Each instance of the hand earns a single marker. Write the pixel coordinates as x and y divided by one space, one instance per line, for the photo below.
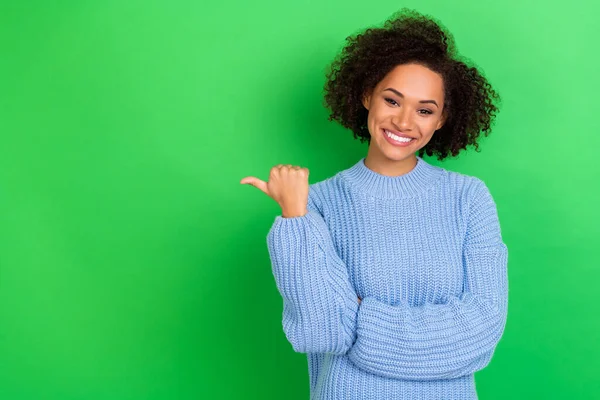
288 186
359 300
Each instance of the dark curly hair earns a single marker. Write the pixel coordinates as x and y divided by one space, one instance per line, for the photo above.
410 37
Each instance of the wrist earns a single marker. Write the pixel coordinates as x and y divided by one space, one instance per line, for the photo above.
293 214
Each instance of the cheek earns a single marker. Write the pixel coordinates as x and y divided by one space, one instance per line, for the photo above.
378 115
427 129
430 125
371 123
370 119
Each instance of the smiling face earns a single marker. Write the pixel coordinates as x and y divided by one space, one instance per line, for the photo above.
408 102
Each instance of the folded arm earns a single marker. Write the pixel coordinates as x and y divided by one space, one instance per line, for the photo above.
441 341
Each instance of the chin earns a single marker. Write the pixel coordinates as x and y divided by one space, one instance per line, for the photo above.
397 154
400 157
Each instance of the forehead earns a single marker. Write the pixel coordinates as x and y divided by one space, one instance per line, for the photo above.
414 80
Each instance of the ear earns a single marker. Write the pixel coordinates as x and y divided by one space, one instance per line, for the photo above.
366 101
442 120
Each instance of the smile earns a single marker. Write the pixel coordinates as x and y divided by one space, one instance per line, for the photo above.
397 140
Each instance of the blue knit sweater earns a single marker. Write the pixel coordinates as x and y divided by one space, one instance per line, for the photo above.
425 254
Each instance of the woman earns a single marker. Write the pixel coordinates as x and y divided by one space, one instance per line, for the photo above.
420 245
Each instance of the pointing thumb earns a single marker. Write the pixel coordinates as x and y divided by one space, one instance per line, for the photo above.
257 183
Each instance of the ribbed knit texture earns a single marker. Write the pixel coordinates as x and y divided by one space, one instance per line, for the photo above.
425 254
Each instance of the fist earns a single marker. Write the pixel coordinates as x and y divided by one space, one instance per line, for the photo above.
288 186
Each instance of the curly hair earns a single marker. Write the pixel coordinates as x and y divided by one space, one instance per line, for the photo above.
410 37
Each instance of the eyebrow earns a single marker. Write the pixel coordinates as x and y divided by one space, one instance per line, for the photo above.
421 101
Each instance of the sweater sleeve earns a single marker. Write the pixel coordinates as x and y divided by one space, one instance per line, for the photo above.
319 303
449 340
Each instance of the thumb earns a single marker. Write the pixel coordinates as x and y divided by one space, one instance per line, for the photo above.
257 183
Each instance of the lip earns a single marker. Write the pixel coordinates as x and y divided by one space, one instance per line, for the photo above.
392 142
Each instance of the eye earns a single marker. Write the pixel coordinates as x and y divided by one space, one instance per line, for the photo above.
390 100
426 111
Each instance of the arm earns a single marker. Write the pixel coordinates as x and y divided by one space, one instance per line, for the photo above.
441 341
319 303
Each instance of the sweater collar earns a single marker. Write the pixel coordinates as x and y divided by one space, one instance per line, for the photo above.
410 184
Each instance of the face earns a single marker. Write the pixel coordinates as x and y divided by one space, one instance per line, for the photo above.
409 103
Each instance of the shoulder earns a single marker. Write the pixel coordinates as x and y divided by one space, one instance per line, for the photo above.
478 210
463 180
468 187
476 200
320 192
472 195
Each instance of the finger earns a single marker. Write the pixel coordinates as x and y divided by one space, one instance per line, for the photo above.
257 183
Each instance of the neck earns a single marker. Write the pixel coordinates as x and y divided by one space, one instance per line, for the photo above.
387 167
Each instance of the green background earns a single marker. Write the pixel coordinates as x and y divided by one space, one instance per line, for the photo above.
133 264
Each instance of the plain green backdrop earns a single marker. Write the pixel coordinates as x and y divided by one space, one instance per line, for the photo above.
133 264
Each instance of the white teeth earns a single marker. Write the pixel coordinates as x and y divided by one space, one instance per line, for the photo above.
397 138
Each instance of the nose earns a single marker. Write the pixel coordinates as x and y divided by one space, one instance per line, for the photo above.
403 119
